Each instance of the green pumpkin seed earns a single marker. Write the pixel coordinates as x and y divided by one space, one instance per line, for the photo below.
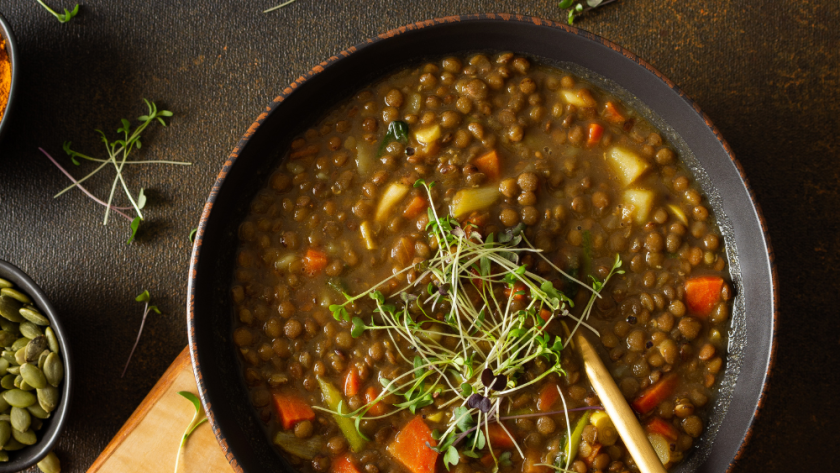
4 365
10 308
38 412
20 398
25 386
34 348
5 432
19 343
36 378
42 358
13 369
36 424
13 445
32 315
7 338
9 355
21 419
5 283
20 356
6 417
4 406
29 330
9 326
50 464
18 380
7 382
47 398
52 339
53 370
15 294
26 438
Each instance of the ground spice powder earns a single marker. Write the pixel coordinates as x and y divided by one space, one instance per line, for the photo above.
5 78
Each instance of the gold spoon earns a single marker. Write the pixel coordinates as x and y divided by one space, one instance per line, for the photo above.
625 421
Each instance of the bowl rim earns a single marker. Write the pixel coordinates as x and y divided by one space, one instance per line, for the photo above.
12 52
502 17
59 416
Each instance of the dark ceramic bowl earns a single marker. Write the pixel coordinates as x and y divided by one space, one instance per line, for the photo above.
12 51
607 65
48 435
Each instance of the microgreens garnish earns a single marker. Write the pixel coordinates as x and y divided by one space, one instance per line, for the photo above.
192 425
284 4
146 298
473 356
397 131
577 9
118 153
62 17
192 235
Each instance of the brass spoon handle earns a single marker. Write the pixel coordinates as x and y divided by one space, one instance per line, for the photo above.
625 421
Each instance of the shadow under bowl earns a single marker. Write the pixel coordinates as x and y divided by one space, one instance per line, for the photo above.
607 65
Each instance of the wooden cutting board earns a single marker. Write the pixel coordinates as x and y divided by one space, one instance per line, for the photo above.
148 442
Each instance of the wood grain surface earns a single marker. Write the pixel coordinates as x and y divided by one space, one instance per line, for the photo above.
765 71
148 442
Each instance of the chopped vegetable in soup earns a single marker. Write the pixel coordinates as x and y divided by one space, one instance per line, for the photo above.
410 277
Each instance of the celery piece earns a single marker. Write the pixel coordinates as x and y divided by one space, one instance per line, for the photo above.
332 397
574 443
306 449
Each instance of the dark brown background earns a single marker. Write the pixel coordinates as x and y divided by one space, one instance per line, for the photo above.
766 72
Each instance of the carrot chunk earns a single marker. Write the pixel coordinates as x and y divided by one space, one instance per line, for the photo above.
498 438
378 408
343 464
533 462
352 383
548 396
596 449
655 393
292 409
488 163
612 115
314 262
411 447
702 293
517 287
595 132
415 207
657 425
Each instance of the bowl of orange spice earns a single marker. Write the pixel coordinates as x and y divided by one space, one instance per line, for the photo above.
8 73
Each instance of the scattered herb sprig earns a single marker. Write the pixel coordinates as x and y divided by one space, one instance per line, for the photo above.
62 17
192 425
493 341
577 8
284 4
118 156
146 298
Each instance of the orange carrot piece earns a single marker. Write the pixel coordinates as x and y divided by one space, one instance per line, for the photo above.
595 133
532 463
702 293
488 163
545 314
517 287
352 383
548 396
415 207
292 409
612 115
378 408
343 464
411 447
596 449
314 262
658 425
655 393
498 438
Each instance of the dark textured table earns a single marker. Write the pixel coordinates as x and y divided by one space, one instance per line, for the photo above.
766 72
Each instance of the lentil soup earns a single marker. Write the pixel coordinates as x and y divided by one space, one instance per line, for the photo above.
408 279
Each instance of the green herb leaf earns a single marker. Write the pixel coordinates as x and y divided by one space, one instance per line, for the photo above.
143 297
451 457
61 17
192 235
564 4
141 198
188 395
135 225
358 327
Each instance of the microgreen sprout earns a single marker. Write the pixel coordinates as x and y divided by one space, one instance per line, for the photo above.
62 17
577 8
118 154
145 298
194 423
284 4
494 323
192 235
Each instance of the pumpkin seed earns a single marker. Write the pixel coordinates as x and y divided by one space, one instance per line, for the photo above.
36 424
19 343
6 417
9 326
25 386
18 380
9 355
7 382
50 464
7 338
20 398
5 432
4 365
5 283
51 339
21 419
15 294
34 348
26 438
53 370
31 314
13 369
13 445
36 378
20 356
47 398
38 412
4 406
42 358
9 308
29 330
